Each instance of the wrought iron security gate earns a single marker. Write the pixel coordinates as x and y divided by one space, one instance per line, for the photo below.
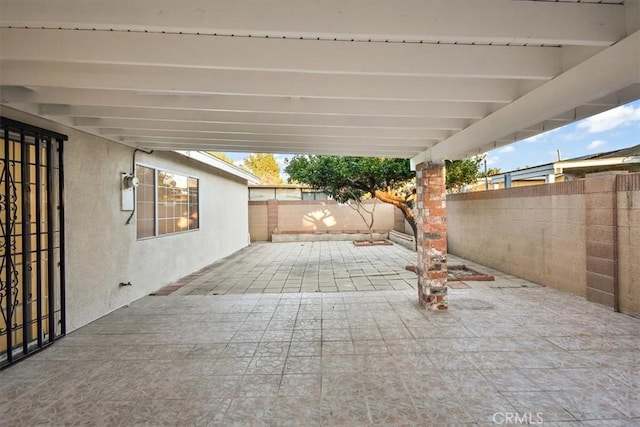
32 299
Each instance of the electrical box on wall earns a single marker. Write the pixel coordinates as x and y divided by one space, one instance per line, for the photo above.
127 183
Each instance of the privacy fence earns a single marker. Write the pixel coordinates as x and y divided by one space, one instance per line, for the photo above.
316 217
580 236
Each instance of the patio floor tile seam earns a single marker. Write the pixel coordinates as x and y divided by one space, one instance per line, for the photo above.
512 349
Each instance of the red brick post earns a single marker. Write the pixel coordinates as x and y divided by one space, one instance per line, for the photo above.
432 236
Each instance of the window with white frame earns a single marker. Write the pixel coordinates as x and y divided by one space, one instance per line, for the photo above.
166 202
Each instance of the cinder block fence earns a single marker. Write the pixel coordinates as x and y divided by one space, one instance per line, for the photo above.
581 236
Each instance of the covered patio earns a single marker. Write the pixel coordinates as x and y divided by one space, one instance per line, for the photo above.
429 81
504 349
426 81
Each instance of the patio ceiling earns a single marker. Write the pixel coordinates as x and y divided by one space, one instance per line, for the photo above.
426 80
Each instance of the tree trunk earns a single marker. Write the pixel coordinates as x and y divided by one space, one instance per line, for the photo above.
403 205
359 208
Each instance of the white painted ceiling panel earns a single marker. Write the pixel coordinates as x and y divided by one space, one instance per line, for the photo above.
409 78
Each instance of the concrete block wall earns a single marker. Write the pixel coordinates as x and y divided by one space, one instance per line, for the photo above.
628 215
581 237
312 216
602 238
258 222
537 233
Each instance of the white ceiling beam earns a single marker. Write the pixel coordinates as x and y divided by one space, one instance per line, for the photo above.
463 21
632 14
240 82
611 70
623 96
246 104
187 141
363 140
259 54
227 117
267 129
276 148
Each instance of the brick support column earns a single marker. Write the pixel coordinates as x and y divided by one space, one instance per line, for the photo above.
601 225
432 236
272 217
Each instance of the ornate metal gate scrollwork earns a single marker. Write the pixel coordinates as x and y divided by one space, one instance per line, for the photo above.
32 306
9 209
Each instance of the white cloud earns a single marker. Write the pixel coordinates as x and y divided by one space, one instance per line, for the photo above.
508 149
596 144
533 138
492 160
610 119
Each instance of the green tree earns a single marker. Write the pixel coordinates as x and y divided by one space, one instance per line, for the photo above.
388 180
462 172
265 167
490 172
222 156
355 178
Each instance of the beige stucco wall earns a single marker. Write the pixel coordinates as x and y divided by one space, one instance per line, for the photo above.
258 222
541 239
329 216
309 216
101 251
629 251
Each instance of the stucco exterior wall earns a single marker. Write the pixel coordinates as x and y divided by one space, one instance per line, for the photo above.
101 251
628 204
537 233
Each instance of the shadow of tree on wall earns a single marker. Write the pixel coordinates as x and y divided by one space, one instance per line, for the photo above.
320 219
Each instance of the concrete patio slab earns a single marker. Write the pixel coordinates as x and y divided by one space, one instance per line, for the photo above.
338 358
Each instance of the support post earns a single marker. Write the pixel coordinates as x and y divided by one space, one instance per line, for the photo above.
432 236
602 237
272 217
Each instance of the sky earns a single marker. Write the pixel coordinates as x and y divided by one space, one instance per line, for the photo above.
611 130
608 131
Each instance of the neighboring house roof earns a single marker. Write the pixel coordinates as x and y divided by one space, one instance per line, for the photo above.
217 163
623 159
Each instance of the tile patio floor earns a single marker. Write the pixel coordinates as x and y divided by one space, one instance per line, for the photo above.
336 358
306 267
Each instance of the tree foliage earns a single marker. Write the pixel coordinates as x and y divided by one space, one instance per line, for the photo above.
352 178
491 172
462 172
265 167
222 156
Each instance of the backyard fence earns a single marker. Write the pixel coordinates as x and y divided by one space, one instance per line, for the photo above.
580 236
